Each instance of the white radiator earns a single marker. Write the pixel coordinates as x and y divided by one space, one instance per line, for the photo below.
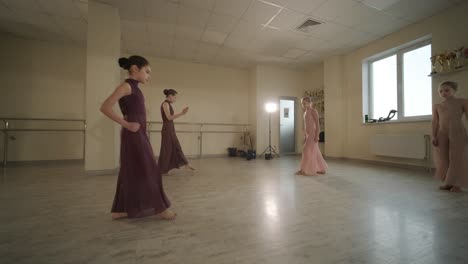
413 146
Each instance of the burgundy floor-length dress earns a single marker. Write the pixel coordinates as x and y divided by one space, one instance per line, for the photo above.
171 155
139 185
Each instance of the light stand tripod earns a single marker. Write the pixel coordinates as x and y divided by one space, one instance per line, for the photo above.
270 148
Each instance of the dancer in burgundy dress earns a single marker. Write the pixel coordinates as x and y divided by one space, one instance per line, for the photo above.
171 155
139 186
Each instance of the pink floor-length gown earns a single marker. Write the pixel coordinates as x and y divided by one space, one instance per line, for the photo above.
451 155
312 159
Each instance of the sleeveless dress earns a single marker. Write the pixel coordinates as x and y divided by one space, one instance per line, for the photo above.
171 155
451 155
139 186
312 159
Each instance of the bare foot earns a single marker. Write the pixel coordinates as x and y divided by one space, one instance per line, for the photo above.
299 172
456 189
445 187
116 216
189 167
321 172
168 215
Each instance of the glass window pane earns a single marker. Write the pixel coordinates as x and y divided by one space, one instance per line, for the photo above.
417 86
384 86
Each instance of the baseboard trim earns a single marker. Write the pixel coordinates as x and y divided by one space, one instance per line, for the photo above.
207 156
101 172
382 163
42 162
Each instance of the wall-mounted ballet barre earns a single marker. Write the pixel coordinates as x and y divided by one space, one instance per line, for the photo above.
200 131
7 129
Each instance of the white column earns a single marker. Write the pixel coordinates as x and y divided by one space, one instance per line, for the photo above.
334 75
102 77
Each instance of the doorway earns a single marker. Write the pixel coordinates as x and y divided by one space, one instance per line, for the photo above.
287 125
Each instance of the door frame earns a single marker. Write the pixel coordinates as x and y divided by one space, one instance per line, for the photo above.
294 99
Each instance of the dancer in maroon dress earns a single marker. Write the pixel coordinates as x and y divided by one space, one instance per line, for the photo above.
171 155
139 186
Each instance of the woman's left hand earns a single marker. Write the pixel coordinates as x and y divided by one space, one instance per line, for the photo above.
316 139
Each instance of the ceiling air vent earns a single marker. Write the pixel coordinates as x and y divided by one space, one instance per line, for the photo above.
308 25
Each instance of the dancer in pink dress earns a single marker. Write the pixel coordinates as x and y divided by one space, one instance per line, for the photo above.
312 161
449 139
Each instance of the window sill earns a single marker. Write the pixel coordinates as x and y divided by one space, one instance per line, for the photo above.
420 120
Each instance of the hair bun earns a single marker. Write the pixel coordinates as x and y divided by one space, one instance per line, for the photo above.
166 92
124 63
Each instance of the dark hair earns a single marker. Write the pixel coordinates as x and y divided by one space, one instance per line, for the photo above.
168 92
139 61
451 84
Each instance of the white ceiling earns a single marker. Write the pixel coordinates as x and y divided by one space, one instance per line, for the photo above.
237 33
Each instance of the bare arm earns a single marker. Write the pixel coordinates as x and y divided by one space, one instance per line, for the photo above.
167 112
317 124
435 121
435 125
106 107
465 107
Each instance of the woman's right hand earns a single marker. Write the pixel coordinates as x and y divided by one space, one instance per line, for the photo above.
133 126
435 141
185 110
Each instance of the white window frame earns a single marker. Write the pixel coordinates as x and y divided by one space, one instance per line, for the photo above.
367 80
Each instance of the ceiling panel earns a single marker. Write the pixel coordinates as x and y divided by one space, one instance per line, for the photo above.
134 31
76 28
327 30
260 12
161 41
199 4
287 19
214 37
188 33
385 25
193 17
246 28
233 8
238 42
416 10
31 5
130 10
66 8
30 31
160 11
310 43
294 53
304 6
379 4
7 14
161 29
162 52
357 15
39 20
221 23
331 9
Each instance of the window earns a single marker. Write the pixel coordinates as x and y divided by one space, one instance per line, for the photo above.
398 79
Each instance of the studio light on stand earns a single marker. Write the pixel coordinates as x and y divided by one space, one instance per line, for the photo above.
269 151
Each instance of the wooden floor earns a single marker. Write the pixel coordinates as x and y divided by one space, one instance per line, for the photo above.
235 211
